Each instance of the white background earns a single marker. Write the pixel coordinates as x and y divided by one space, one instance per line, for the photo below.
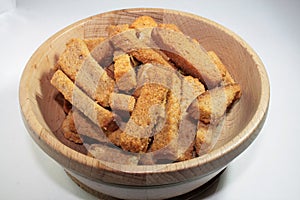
268 169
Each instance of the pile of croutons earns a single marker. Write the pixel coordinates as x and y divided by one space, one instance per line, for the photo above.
145 94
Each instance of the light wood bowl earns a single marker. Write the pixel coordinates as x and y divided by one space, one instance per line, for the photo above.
43 116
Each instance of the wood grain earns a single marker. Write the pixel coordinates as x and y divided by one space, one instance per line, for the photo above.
43 116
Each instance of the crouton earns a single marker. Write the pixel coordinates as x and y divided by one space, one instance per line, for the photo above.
122 102
165 139
115 137
91 43
85 127
186 138
191 88
80 66
143 22
226 77
212 104
169 26
69 129
148 112
188 55
207 135
116 29
128 42
124 73
72 59
81 101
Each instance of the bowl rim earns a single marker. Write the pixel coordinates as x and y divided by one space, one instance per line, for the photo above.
234 147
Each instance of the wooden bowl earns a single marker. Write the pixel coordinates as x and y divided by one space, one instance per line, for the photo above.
43 116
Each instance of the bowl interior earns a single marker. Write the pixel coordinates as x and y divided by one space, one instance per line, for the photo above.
233 52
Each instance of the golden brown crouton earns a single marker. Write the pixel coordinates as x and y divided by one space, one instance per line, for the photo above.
147 55
164 145
148 112
203 139
85 127
188 55
128 42
95 82
191 88
169 26
69 129
116 29
81 67
143 22
91 43
165 140
207 136
115 137
124 73
81 101
72 59
212 104
122 102
227 79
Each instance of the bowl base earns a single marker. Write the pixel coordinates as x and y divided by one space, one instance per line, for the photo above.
198 193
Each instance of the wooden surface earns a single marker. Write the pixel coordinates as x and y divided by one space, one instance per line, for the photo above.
43 115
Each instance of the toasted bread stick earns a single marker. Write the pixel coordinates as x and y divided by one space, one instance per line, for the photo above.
81 101
207 136
203 139
168 78
227 79
122 102
124 73
116 29
188 55
92 43
143 22
165 140
128 42
69 129
83 69
211 105
73 57
169 26
84 126
191 88
148 112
